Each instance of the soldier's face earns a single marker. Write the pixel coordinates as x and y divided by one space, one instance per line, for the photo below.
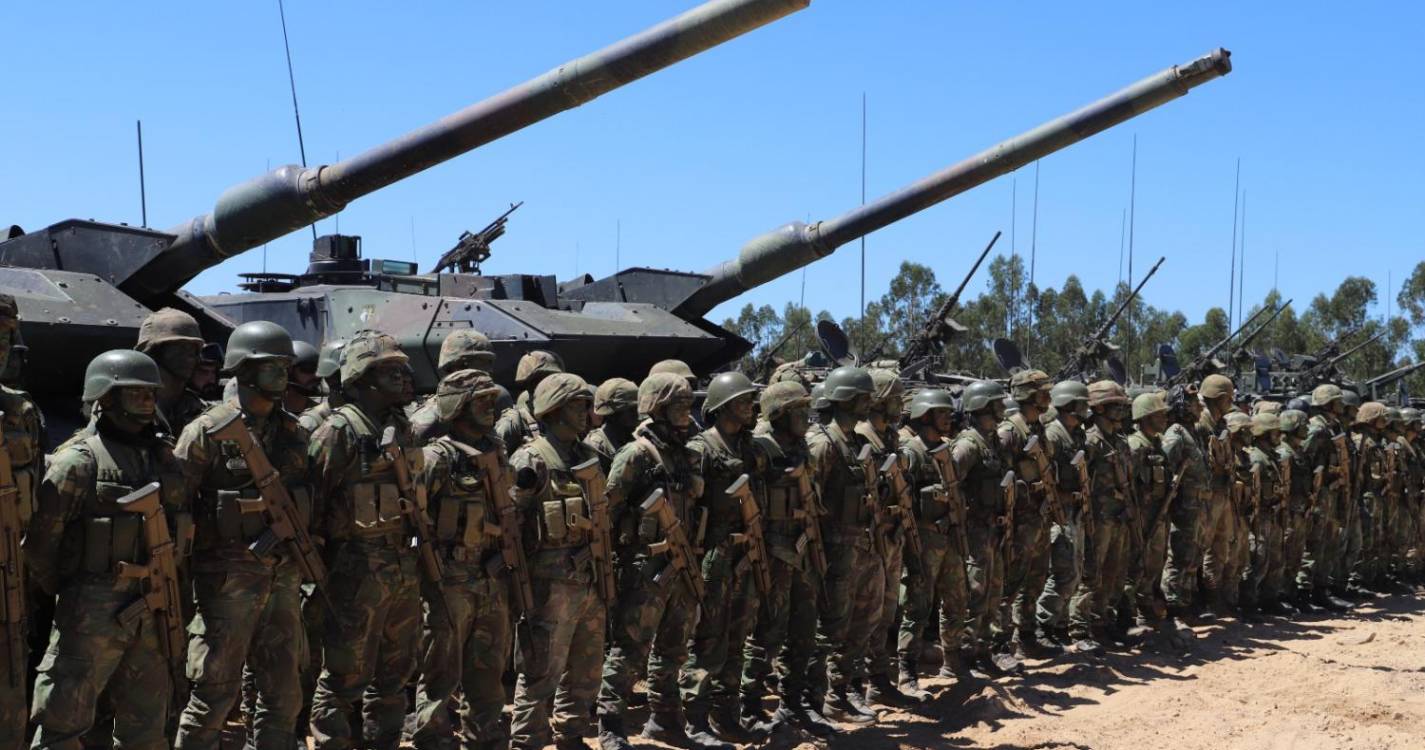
1154 424
395 381
679 413
1041 399
179 358
797 419
942 420
139 403
860 405
575 413
482 410
268 376
742 410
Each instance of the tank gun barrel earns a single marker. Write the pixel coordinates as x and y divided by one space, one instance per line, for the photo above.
795 245
291 197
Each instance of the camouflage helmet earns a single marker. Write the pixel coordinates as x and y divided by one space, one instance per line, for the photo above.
846 383
1106 393
1392 417
9 313
466 346
782 396
725 387
886 382
1067 392
673 367
1265 422
555 391
1237 420
1148 404
257 340
456 389
119 368
928 399
329 363
1325 393
368 348
1370 412
1291 420
1350 398
1025 383
165 325
1216 386
614 395
305 355
536 363
793 371
1267 407
981 394
661 389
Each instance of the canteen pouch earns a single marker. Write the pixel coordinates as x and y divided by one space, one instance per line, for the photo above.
555 525
98 545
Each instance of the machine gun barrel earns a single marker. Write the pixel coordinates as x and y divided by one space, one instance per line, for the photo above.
1078 362
1385 379
1349 352
937 323
794 245
291 197
1242 345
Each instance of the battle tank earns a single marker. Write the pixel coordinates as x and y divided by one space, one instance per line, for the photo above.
622 324
84 287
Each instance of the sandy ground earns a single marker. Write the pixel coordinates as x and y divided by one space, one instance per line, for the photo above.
1309 683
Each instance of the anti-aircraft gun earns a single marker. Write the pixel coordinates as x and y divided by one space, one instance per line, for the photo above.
1097 348
1204 364
84 286
1374 389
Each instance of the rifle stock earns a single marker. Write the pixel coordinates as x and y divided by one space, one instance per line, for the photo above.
12 570
675 546
417 514
751 537
590 476
158 578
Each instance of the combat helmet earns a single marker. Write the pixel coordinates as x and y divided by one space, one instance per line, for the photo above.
368 348
725 387
535 364
1066 392
1291 420
258 340
458 388
981 394
119 368
305 355
1215 386
846 383
329 363
1370 412
1106 393
1025 383
781 396
661 389
928 399
615 395
165 325
1265 422
468 347
1148 404
1325 393
555 391
674 367
1236 421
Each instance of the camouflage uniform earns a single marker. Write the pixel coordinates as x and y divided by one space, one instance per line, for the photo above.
1184 457
1300 516
1410 468
1066 542
881 650
606 440
22 429
1028 564
369 647
981 467
77 537
1262 581
1106 540
1151 485
517 426
939 575
473 656
1220 573
426 424
1373 506
248 609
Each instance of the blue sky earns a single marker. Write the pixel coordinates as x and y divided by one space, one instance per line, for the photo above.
1324 108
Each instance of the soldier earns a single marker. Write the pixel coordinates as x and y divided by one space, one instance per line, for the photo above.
369 645
880 431
248 607
1326 450
1153 487
205 376
463 349
1352 534
982 469
1262 583
560 655
1064 439
303 385
517 425
1369 436
464 644
851 592
1414 470
616 401
1395 527
657 599
1029 564
785 631
329 370
724 453
106 639
1301 512
939 574
1187 461
1220 573
173 340
679 368
1110 510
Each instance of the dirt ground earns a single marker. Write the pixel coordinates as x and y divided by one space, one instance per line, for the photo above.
1309 683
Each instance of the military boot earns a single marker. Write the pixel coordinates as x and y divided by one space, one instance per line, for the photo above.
575 742
909 682
881 692
612 734
954 667
999 664
1327 600
1032 644
699 731
838 707
804 715
724 721
857 696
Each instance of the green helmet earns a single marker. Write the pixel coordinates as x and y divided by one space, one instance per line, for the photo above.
1410 415
466 347
781 396
818 397
556 390
257 339
1148 404
1350 398
305 355
536 363
118 368
1025 383
928 399
1291 420
1067 392
615 395
1325 393
726 386
329 363
660 389
165 325
793 371
846 383
1265 422
981 394
365 349
1392 416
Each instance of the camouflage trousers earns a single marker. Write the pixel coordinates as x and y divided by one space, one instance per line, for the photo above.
984 574
1366 566
1143 587
1026 572
1106 548
314 623
560 656
1296 531
252 617
1263 580
1180 569
713 672
939 575
1348 557
1066 544
1220 569
849 609
880 657
1406 530
1318 554
369 650
91 651
471 656
784 638
649 631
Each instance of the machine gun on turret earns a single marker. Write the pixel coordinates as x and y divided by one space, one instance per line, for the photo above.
473 248
1204 364
941 326
1241 348
1374 388
1324 367
1096 348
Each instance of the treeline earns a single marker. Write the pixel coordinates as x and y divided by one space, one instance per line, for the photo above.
1049 323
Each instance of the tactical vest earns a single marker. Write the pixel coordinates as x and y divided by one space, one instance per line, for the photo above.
111 536
1269 481
680 489
1026 468
562 504
229 483
1371 461
931 501
375 495
1217 448
22 443
722 465
844 488
1196 484
980 486
1107 459
783 492
461 511
1154 481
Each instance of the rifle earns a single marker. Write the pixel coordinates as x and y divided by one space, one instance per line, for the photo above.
681 559
512 560
1035 450
1344 474
1094 346
809 515
940 326
1254 506
1007 488
472 249
285 524
1162 509
902 511
760 367
751 536
873 501
158 579
590 476
12 570
1081 463
413 507
950 491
